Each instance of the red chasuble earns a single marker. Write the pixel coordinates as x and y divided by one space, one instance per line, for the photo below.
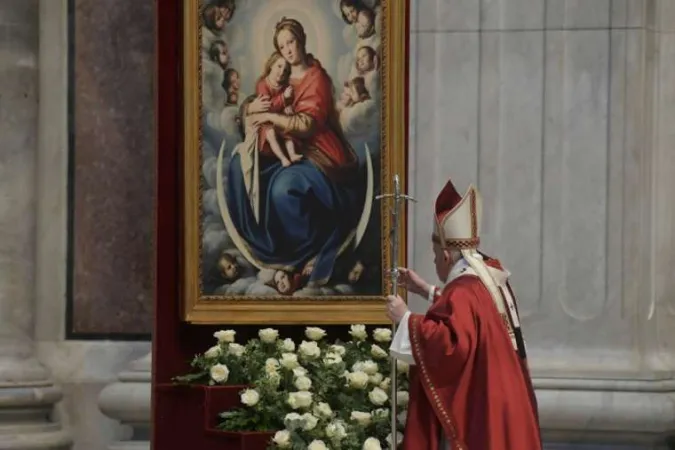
468 384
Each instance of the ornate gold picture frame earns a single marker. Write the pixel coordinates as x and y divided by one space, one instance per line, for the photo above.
295 118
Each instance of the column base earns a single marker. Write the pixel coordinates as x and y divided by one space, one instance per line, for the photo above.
27 402
630 413
128 401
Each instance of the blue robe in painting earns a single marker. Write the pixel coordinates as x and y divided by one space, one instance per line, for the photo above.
303 214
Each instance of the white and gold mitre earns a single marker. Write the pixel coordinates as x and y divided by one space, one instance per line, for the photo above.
457 218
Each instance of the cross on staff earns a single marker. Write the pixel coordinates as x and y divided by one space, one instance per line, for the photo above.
396 200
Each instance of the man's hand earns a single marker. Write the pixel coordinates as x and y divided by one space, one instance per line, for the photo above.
413 282
396 308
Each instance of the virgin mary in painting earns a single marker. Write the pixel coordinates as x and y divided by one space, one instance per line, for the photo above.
290 151
295 219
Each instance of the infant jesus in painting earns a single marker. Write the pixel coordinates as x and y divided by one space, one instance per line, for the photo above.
274 84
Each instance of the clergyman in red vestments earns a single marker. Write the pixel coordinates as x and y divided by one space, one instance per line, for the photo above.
470 387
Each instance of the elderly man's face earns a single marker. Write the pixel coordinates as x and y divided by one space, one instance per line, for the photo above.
442 261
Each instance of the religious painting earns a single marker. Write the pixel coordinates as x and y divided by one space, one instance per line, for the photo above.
295 121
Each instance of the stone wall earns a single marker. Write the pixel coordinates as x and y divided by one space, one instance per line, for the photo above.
112 181
560 110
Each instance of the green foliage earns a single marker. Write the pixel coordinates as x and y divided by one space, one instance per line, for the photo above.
315 395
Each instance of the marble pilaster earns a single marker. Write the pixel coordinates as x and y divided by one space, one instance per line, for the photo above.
29 416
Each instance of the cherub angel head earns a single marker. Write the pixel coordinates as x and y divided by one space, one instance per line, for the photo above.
365 23
366 60
219 53
231 85
349 10
228 266
354 92
285 283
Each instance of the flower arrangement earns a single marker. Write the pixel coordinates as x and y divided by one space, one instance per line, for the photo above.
316 395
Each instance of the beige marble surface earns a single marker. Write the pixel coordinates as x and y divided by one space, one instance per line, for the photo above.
18 150
553 125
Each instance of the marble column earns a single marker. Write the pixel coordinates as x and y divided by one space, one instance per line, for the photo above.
29 418
561 111
128 401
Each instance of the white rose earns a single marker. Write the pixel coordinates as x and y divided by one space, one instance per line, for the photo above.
402 366
268 335
315 333
360 417
309 421
402 417
299 371
235 349
369 367
359 332
357 380
378 352
299 400
382 334
213 353
317 445
303 383
282 439
219 373
339 349
358 367
332 359
402 398
386 384
323 410
378 397
225 336
293 421
287 345
289 360
375 379
271 365
250 397
336 431
399 439
372 444
309 349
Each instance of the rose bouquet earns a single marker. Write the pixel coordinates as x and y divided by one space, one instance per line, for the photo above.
316 394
